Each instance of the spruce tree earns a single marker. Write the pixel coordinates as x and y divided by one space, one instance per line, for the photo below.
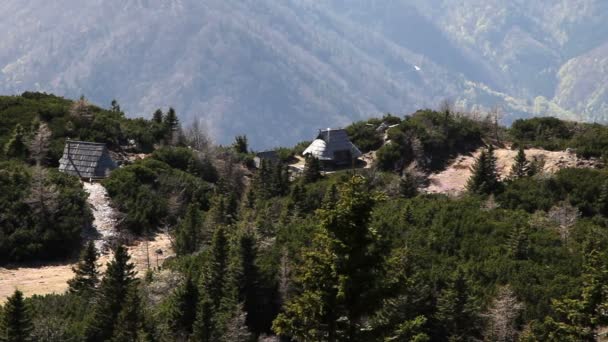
86 275
484 179
337 272
247 281
129 323
16 147
457 310
188 235
312 170
158 116
15 323
213 288
603 200
118 280
408 186
183 306
521 167
240 144
171 125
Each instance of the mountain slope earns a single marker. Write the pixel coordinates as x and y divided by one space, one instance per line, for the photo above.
280 70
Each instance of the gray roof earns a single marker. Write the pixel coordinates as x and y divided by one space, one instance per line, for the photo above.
270 155
86 159
330 141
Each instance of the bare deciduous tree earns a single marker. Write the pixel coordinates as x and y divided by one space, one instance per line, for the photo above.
43 196
502 316
565 215
197 136
39 144
81 109
495 115
236 329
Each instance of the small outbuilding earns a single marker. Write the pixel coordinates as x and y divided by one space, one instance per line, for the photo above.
86 160
270 156
333 148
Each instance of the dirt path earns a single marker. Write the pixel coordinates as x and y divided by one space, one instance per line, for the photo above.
454 178
52 278
104 216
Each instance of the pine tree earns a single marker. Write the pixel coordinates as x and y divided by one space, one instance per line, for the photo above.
213 288
240 144
518 243
246 276
337 272
408 186
579 318
171 125
484 178
86 275
188 235
115 107
457 310
16 147
158 116
183 306
15 323
312 170
129 323
603 200
279 179
118 280
521 167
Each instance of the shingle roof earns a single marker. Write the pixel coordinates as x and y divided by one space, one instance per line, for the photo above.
86 159
330 141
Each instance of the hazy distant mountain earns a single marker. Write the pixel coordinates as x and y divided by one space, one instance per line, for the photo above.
279 70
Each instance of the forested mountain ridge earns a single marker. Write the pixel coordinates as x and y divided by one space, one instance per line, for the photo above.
354 255
246 66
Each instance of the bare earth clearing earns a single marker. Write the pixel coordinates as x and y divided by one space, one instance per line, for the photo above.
454 178
52 278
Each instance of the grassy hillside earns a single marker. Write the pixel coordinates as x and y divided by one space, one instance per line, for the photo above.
357 255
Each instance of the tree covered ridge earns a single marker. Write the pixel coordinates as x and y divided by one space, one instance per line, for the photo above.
356 255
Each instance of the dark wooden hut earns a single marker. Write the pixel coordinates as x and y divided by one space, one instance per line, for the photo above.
86 160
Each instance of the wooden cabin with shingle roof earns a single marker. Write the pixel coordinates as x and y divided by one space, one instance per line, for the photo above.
333 148
86 160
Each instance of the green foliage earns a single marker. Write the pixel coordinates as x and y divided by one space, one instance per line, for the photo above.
16 325
111 302
271 180
86 275
187 160
16 147
312 170
435 136
41 213
337 272
521 166
189 232
364 135
213 289
588 140
484 178
183 307
240 144
144 189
